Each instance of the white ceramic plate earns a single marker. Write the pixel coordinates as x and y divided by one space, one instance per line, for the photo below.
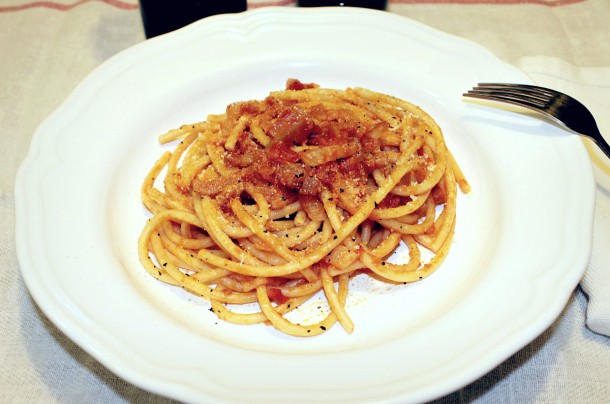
521 244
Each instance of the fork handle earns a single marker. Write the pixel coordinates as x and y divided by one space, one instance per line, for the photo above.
603 147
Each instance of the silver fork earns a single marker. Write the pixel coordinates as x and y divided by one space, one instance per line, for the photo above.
561 108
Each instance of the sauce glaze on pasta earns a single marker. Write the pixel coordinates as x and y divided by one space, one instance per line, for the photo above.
278 199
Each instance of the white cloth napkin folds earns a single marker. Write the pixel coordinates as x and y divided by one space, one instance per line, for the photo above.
591 86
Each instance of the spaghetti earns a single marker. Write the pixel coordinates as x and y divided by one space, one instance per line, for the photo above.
279 199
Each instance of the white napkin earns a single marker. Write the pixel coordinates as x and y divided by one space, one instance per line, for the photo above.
591 86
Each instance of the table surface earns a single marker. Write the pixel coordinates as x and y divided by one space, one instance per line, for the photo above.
47 48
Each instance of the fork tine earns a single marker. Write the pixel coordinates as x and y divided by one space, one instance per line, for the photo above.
544 95
526 88
515 94
507 96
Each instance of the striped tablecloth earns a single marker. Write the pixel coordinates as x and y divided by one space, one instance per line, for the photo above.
47 47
